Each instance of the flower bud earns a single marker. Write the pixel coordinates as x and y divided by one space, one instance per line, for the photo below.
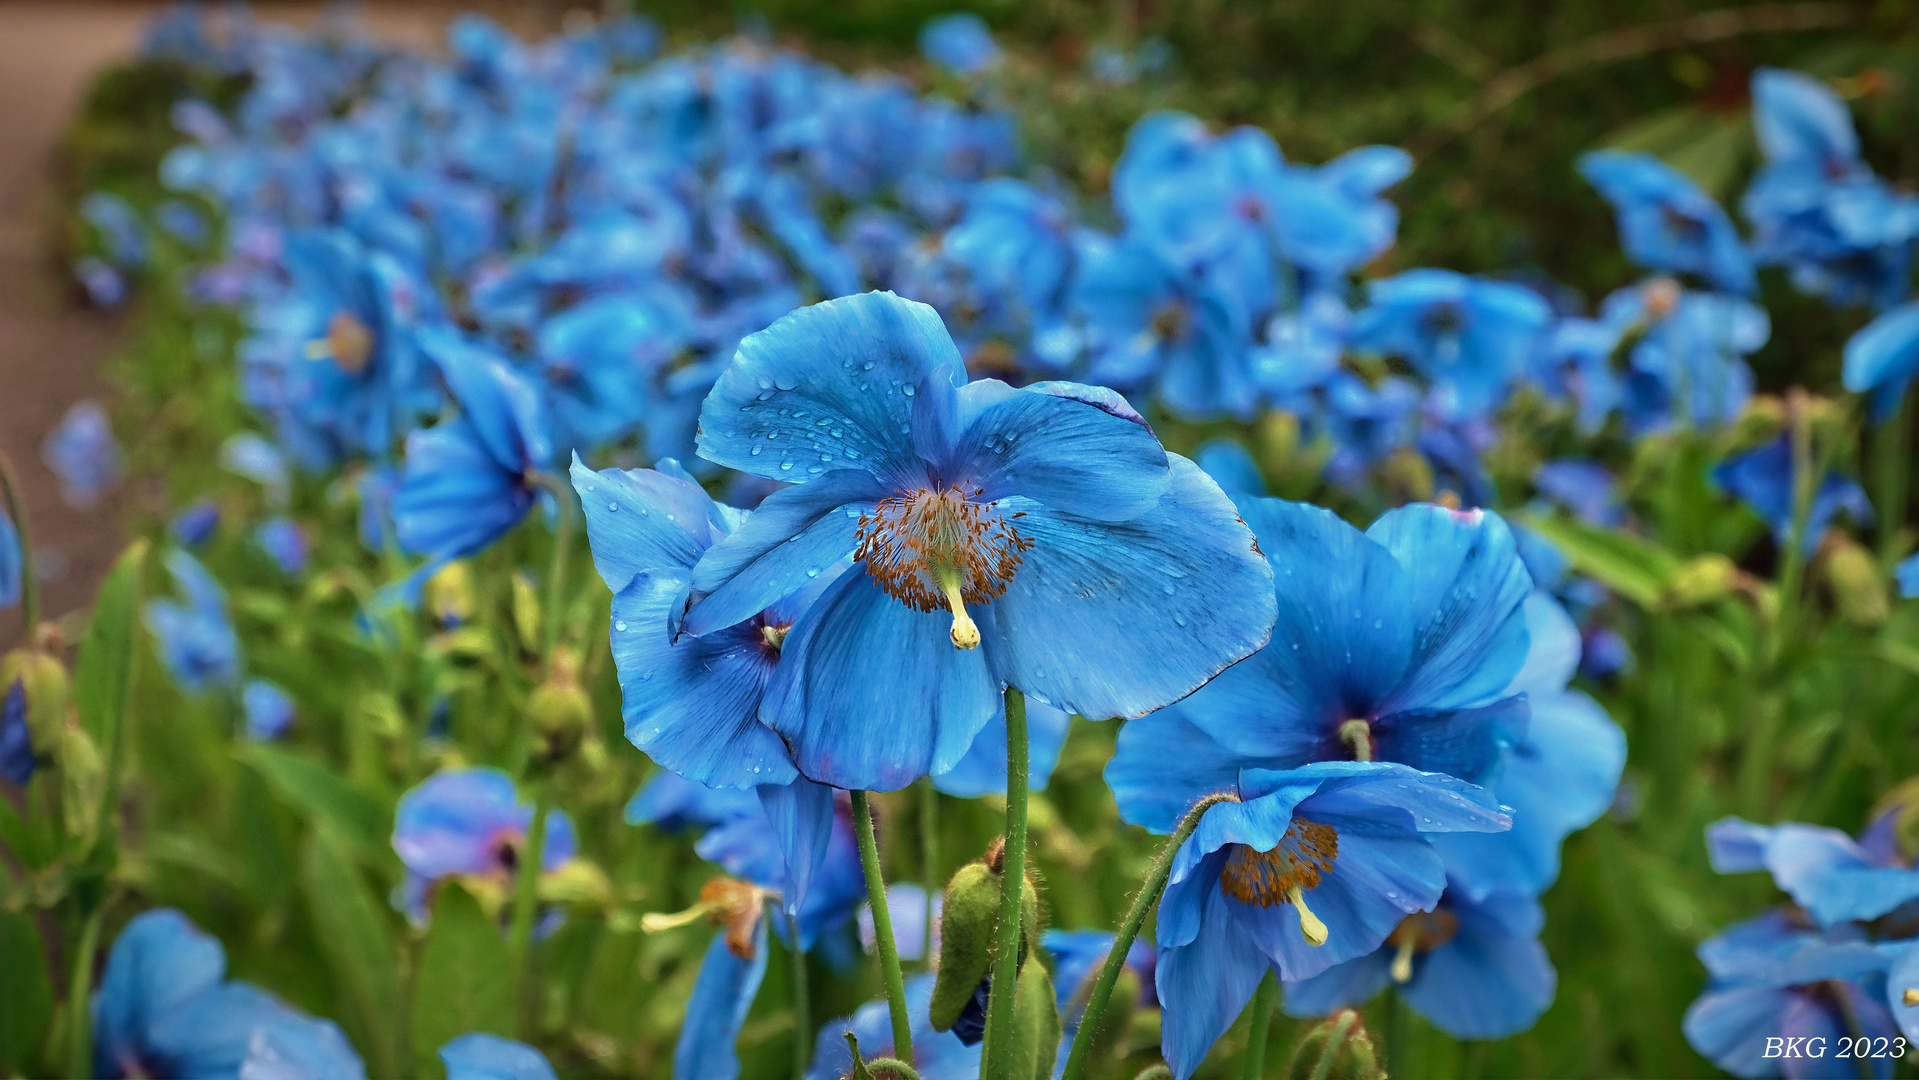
83 776
48 689
1337 1048
449 594
1704 579
969 928
526 614
560 710
1858 588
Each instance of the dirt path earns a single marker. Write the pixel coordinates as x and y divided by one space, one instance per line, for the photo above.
52 348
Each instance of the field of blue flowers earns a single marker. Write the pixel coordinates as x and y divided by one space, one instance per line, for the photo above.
682 559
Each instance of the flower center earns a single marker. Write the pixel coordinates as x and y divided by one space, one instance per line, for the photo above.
1417 933
1358 734
348 343
1282 875
930 549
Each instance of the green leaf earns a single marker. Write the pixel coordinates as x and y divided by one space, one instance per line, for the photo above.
26 995
323 797
355 933
462 984
1636 569
104 671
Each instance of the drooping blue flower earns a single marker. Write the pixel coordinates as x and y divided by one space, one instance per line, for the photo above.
672 803
1016 245
1470 336
1882 358
1474 968
723 992
268 709
82 454
937 1055
194 634
479 1056
466 479
1308 868
164 1008
1824 871
1690 364
1773 985
469 822
16 742
285 542
1763 479
196 524
12 563
1107 576
960 43
601 358
1668 225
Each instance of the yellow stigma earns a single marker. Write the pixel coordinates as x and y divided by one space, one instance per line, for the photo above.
655 921
1910 997
1403 959
965 632
1358 734
774 636
1309 924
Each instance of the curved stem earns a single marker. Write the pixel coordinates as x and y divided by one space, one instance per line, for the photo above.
1335 1042
79 995
526 897
29 584
556 570
1149 891
802 1018
929 864
883 927
1265 999
998 1059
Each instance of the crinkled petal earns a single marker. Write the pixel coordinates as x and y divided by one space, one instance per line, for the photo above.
1493 978
639 519
1069 454
1205 983
1164 763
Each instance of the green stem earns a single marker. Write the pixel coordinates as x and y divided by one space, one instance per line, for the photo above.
929 864
79 999
1395 1032
1756 770
883 927
1891 447
556 570
29 585
1264 1001
1335 1042
526 898
802 1018
998 1058
1149 890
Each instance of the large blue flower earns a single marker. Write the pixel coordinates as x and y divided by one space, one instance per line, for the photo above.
1824 871
164 1008
1475 968
1470 336
1762 478
1100 575
195 636
469 822
1306 869
1667 224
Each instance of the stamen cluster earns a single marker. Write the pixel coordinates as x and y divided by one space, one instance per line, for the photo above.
915 542
1267 878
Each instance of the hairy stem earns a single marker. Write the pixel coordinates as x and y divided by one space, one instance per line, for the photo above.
526 897
999 1003
883 927
1265 999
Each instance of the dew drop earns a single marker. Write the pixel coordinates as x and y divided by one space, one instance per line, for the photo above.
755 451
620 626
612 507
907 390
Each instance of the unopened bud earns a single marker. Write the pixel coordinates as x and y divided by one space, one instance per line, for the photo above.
449 594
1704 579
526 614
1337 1048
82 781
561 712
1858 588
48 691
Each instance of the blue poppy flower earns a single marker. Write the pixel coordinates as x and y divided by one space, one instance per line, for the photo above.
268 709
469 822
466 479
937 1055
1474 968
1690 362
960 43
1823 870
730 975
12 563
1309 868
164 1008
1016 245
1668 225
1077 958
600 359
1470 336
1774 985
1050 512
1882 358
1762 479
16 742
672 803
82 454
479 1056
194 635
1587 488
1302 348
285 542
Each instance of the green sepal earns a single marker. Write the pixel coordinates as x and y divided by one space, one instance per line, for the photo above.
967 925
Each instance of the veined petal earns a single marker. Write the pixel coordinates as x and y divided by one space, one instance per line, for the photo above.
1120 618
836 379
1493 979
871 694
1205 983
639 519
717 1010
797 534
693 704
1164 763
1067 453
802 816
1384 872
983 770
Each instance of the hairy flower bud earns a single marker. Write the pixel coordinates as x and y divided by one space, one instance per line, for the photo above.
1337 1048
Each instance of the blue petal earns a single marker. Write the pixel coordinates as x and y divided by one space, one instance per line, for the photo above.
1205 982
503 408
1737 846
1903 975
983 770
1465 587
802 816
797 534
1800 119
1553 647
717 1010
294 1047
639 519
1119 619
836 378
479 1056
1059 448
1231 466
210 1033
1731 1026
1493 978
673 802
1884 354
1384 872
1831 877
454 499
158 962
1351 983
871 694
448 824
11 562
1164 763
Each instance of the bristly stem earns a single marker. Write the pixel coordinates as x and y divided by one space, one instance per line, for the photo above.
929 864
998 1059
1143 901
802 1018
79 998
883 927
526 898
29 584
1265 999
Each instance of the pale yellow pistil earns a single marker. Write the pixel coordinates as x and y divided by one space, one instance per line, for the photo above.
1403 958
1358 734
1309 924
655 921
965 632
1910 997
